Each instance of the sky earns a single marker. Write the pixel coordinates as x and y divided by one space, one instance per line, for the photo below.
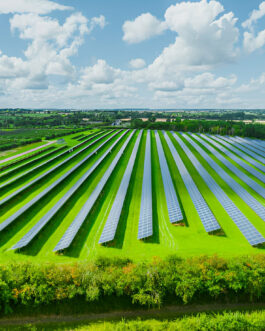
106 54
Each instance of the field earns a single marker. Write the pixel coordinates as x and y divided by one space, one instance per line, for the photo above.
187 238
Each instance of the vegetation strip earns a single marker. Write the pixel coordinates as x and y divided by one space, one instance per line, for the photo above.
252 235
74 227
158 283
13 217
48 216
9 197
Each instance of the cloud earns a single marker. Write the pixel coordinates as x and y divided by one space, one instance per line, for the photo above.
137 63
30 6
254 16
142 28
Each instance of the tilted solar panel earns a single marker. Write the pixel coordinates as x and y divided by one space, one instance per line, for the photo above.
111 225
174 211
74 227
244 225
145 226
207 218
28 205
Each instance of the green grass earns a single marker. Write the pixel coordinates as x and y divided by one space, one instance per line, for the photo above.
185 239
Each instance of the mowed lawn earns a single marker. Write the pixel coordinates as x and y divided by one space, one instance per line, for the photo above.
185 239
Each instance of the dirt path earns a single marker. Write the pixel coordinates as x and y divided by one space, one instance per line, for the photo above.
169 312
27 152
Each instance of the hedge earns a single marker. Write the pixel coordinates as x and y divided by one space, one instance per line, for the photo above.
147 284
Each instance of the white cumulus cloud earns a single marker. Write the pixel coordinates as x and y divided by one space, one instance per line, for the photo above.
137 63
142 28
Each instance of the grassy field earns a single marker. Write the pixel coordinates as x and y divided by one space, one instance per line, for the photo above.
186 239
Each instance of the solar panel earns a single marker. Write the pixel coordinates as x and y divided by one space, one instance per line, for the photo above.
48 216
174 211
28 205
72 230
238 160
235 186
145 226
258 143
207 218
109 231
47 162
238 152
23 188
244 149
248 147
244 225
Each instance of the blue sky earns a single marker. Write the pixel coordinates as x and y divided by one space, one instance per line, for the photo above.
121 54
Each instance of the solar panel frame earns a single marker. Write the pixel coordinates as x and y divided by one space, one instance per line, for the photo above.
145 225
110 228
207 217
74 227
173 206
28 205
252 235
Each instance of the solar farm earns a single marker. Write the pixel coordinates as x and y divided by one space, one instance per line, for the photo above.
136 194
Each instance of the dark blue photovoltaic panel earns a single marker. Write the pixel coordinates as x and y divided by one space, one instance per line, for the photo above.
248 145
253 143
174 211
28 205
235 186
237 159
25 173
247 229
207 218
233 142
26 186
71 232
238 152
145 226
51 213
110 227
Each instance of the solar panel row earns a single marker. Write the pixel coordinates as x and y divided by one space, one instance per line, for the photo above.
26 186
244 225
109 231
248 146
174 211
26 164
45 163
28 205
72 230
51 213
235 186
145 226
242 148
207 218
238 152
253 143
238 160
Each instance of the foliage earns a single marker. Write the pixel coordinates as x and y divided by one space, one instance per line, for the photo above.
174 280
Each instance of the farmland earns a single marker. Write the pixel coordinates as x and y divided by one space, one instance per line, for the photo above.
98 153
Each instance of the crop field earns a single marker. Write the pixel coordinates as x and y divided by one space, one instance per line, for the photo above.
136 194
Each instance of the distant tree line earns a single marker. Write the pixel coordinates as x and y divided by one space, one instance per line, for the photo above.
232 128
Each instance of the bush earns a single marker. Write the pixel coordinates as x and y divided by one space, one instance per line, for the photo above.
174 280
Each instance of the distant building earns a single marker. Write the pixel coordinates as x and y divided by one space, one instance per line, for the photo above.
117 122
